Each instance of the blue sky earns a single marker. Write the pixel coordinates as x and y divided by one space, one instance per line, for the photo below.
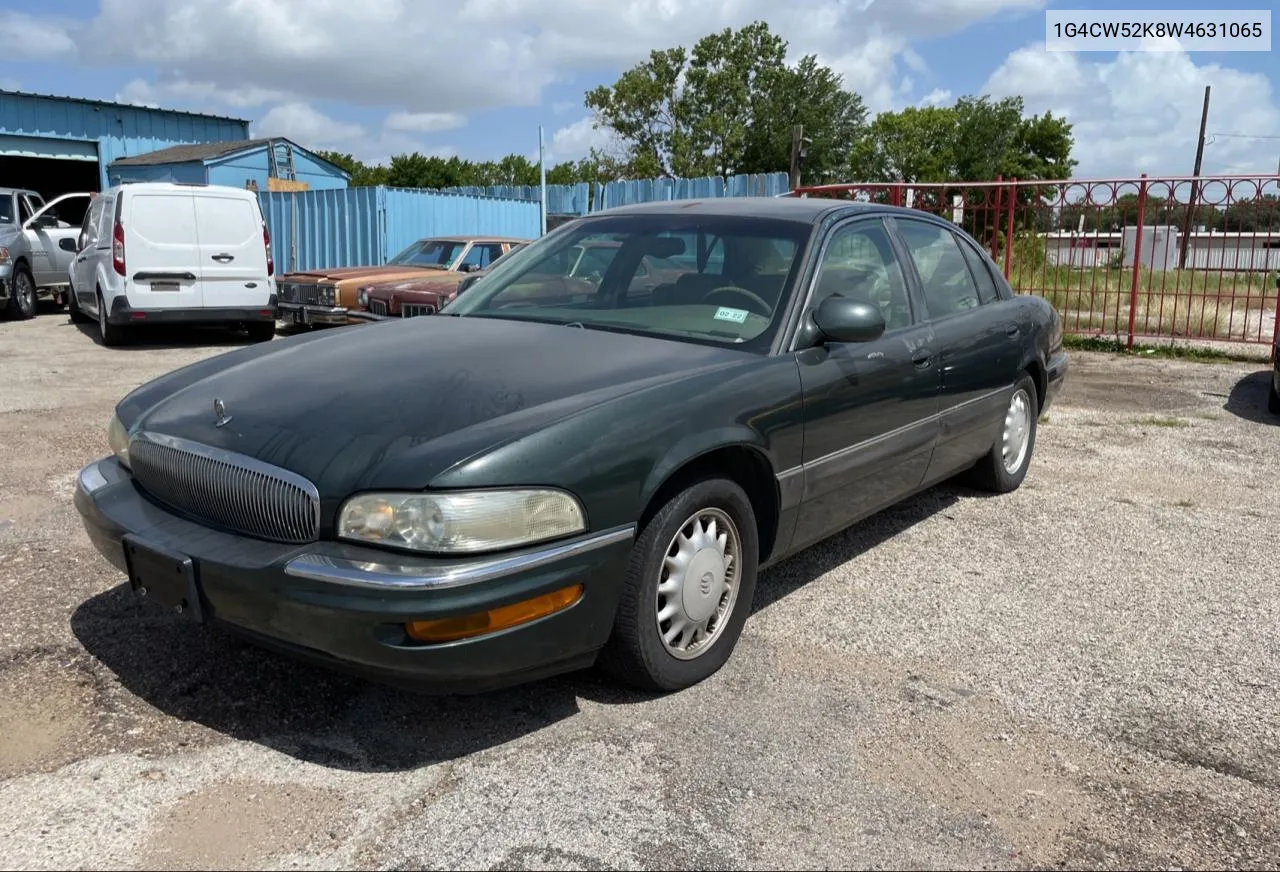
477 77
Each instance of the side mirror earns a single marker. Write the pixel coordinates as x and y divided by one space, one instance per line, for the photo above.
66 243
842 319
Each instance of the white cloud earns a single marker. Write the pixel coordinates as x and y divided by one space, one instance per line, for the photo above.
36 38
424 122
575 141
307 126
177 94
490 53
1140 112
936 97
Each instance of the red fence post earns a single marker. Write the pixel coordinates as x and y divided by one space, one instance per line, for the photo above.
895 194
1008 236
1137 260
995 225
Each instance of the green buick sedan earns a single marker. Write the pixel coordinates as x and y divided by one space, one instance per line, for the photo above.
549 477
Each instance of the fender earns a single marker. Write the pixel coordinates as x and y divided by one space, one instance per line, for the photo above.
695 445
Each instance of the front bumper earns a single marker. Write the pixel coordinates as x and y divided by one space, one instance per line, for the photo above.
307 314
365 315
344 606
1055 378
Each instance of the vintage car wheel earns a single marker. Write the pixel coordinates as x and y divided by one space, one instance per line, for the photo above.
22 302
1004 468
688 589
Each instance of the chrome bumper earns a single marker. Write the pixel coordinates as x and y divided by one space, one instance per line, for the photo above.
365 315
304 313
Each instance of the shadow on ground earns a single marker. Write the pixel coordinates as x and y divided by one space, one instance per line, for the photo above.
217 680
1248 399
170 336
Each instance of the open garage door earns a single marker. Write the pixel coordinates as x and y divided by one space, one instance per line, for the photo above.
51 167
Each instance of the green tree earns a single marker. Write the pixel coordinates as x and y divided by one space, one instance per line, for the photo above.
913 145
361 174
727 107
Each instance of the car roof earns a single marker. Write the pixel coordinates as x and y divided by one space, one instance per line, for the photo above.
471 239
806 209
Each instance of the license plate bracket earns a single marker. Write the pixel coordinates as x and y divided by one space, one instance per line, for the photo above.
165 287
165 577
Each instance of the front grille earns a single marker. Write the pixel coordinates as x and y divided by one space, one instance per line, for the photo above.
232 491
378 307
413 310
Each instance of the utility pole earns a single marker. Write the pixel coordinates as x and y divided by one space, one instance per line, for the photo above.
797 155
542 180
1195 185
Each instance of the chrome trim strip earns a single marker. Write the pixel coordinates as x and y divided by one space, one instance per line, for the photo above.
381 576
874 440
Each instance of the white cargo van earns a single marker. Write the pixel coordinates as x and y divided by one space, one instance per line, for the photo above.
160 253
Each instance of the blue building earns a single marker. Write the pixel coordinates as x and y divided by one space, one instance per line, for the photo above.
261 164
56 145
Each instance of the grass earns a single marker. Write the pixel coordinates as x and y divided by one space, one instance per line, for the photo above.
1159 421
1176 303
1115 345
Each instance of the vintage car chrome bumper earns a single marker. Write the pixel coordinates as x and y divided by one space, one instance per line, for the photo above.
345 606
306 313
365 315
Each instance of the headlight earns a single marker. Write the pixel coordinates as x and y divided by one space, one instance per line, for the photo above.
118 438
327 296
4 255
363 299
462 521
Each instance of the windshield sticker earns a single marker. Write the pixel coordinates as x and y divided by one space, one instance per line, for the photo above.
737 316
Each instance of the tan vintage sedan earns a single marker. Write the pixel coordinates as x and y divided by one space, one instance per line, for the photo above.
331 296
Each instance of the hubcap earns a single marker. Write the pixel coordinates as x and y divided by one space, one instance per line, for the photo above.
699 583
102 318
26 293
1017 431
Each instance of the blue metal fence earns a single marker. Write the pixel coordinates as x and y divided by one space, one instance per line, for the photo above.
368 225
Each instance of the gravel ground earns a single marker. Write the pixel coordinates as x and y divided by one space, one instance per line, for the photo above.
1083 673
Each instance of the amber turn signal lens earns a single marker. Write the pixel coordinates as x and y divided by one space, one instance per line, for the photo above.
479 623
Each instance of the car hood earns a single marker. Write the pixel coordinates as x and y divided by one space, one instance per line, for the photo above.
432 284
338 408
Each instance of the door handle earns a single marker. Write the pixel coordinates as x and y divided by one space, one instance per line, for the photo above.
223 258
1011 330
922 359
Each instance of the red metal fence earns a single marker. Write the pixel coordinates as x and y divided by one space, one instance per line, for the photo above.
1167 258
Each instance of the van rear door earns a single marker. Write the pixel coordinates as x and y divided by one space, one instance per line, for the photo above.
161 258
233 258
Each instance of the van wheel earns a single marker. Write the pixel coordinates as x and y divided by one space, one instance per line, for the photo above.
112 334
22 299
73 308
261 331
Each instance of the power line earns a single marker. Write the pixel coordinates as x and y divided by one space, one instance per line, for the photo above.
1243 136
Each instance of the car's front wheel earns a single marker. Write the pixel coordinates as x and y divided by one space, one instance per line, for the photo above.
1005 466
22 300
688 589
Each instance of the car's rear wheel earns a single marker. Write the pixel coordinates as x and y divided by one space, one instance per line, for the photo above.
22 299
112 334
688 589
1273 399
1005 466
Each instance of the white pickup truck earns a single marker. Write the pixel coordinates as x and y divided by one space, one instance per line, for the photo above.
36 249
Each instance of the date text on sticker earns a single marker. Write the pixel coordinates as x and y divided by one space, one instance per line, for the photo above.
737 316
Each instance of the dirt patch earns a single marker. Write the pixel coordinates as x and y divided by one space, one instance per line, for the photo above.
239 825
47 709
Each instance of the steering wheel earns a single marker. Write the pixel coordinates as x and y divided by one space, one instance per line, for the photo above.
757 304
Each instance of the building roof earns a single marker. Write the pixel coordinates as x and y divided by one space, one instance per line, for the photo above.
211 151
84 101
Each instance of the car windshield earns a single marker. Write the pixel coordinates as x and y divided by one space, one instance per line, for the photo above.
711 279
430 254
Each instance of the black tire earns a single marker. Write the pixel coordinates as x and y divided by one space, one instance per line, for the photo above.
22 296
1273 398
990 473
73 308
261 331
635 652
111 334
